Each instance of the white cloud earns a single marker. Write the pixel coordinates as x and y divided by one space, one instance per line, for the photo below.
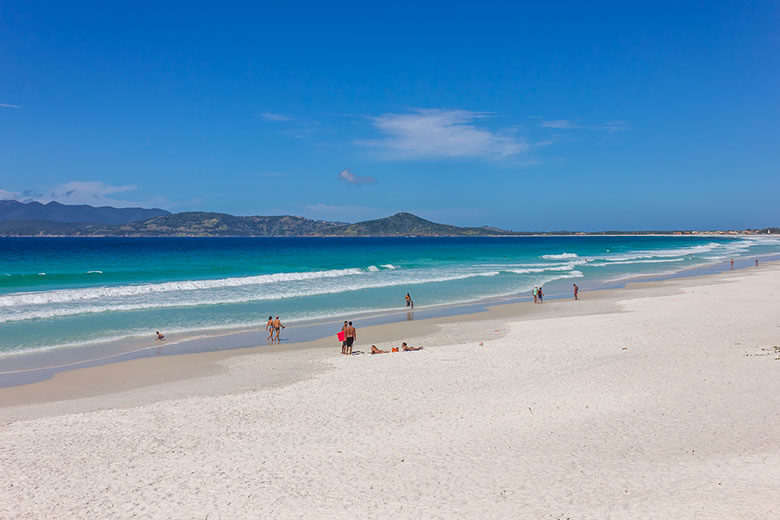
351 178
94 193
563 124
442 134
89 192
6 105
270 116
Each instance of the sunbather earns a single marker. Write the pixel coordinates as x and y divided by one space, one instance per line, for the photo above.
375 350
407 348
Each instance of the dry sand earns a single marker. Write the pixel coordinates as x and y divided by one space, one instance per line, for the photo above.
658 401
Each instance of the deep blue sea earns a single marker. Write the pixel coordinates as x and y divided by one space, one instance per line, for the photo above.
68 292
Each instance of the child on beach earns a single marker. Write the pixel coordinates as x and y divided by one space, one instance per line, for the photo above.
160 337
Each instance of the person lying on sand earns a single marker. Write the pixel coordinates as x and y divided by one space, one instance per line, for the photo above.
160 337
375 350
407 348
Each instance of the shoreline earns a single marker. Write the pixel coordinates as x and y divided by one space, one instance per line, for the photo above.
39 365
183 369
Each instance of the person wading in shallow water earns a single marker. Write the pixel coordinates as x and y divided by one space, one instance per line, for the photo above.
351 336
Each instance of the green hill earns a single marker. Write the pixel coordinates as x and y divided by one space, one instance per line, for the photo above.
406 224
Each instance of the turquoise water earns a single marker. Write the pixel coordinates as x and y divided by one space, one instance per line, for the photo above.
67 292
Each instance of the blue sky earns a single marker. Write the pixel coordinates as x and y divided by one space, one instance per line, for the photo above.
530 117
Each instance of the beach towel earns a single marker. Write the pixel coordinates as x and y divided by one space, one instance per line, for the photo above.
342 336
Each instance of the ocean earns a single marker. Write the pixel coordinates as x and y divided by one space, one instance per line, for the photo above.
64 293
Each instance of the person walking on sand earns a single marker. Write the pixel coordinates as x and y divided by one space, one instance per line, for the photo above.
540 295
277 328
269 326
536 298
351 336
576 291
344 341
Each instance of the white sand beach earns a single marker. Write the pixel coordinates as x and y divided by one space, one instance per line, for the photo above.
661 400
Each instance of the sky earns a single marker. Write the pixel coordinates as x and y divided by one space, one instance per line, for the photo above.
526 116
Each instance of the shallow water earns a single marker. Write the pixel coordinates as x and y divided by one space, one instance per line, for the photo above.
71 292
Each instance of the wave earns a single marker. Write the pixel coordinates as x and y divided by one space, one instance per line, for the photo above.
529 270
637 261
561 256
254 296
91 293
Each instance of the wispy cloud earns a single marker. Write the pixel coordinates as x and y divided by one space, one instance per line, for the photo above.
566 124
89 192
94 193
270 116
611 126
442 134
563 124
350 178
6 105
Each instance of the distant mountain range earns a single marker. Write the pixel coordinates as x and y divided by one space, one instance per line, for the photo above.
56 212
55 219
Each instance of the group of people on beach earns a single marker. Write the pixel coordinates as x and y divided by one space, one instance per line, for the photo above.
539 294
274 327
349 333
404 348
348 336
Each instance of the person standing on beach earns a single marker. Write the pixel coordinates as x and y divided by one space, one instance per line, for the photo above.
351 336
408 300
756 262
344 342
536 298
270 328
732 264
277 327
540 295
576 291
